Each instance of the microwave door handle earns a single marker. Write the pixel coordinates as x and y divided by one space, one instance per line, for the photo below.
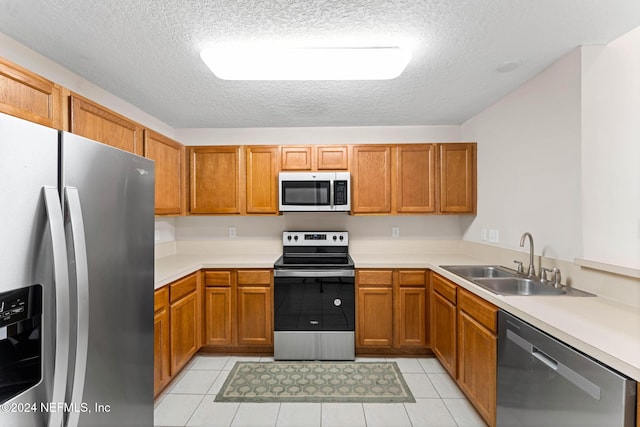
331 183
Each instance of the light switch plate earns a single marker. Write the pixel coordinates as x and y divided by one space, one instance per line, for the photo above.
494 236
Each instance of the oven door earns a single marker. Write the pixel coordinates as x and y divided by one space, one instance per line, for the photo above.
314 301
314 315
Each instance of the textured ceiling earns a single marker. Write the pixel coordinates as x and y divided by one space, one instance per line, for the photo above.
147 52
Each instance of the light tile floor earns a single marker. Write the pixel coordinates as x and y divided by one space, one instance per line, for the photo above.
189 401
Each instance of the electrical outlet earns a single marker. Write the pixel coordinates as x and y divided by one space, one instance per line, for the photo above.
395 231
483 234
494 236
232 232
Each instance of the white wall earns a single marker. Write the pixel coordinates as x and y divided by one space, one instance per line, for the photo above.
33 61
418 227
529 163
319 135
611 151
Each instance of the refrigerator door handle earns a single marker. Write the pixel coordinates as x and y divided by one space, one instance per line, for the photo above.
61 285
79 247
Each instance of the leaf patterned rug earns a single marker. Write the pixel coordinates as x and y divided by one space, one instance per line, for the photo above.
368 382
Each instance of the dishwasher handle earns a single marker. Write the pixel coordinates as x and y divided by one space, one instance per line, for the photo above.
544 358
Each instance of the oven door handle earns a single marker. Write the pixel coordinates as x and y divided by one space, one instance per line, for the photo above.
314 273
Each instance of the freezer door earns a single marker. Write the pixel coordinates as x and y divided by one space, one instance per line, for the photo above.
28 166
109 210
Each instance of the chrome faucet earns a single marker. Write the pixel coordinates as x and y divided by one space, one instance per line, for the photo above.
532 269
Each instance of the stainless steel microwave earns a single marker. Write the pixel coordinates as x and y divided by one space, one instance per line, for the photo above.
314 191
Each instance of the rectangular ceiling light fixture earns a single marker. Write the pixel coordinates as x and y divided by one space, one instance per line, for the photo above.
316 63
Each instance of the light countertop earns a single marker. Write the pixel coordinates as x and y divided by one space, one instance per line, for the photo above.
605 330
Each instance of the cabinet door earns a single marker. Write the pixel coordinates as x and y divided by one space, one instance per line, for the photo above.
184 331
262 180
477 361
411 317
169 166
371 179
95 122
161 341
215 180
218 317
28 96
332 157
161 351
416 175
443 331
457 172
296 158
374 326
255 318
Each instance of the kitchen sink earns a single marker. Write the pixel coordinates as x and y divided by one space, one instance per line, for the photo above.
471 271
517 286
504 281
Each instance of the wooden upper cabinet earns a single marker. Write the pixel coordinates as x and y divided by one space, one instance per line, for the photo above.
28 96
262 179
95 122
314 157
215 180
371 179
415 178
296 158
457 172
169 160
332 157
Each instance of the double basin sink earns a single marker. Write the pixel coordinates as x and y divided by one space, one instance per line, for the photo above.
503 281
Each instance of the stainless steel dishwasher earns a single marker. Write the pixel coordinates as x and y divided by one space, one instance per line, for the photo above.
545 382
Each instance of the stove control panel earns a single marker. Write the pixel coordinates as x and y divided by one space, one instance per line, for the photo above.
315 238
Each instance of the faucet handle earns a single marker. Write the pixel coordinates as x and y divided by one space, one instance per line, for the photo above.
556 277
543 274
520 266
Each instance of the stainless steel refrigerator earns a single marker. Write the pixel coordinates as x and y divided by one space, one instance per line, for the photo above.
76 280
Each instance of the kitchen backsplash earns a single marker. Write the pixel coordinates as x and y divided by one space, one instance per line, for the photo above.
271 227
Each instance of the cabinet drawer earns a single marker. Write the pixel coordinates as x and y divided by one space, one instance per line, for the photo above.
160 299
183 287
482 311
412 277
375 277
444 287
254 277
217 278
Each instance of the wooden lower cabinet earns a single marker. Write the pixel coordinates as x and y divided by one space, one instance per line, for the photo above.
239 310
392 311
185 318
464 339
443 323
254 316
374 317
477 360
218 320
161 344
